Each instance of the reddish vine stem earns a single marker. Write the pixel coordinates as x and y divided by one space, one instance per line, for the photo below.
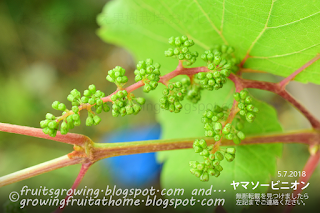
309 168
83 171
276 88
244 60
39 169
70 138
285 81
105 150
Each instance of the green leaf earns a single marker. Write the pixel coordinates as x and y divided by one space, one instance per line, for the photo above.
280 36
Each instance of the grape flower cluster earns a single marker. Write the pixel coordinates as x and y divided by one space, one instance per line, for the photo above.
245 105
71 118
220 64
181 50
211 165
123 104
149 73
117 76
172 96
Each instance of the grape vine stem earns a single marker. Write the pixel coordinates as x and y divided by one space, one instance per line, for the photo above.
105 150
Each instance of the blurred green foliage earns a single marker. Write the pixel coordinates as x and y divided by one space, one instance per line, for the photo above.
48 48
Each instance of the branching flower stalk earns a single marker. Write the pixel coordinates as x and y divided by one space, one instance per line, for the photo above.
220 66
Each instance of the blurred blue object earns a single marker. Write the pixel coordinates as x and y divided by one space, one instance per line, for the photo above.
138 170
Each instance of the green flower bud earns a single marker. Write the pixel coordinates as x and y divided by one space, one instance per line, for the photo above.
219 156
211 156
250 116
46 130
217 60
242 112
211 172
204 177
217 126
203 143
87 93
229 136
84 99
241 105
171 40
225 72
75 109
236 96
64 125
219 168
92 101
136 108
204 152
99 101
243 94
124 79
96 119
229 157
49 116
248 100
198 173
226 129
196 142
215 118
77 122
92 88
236 140
153 84
55 105
129 110
69 119
52 133
115 113
193 170
200 166
63 131
138 78
208 133
217 137
147 88
204 57
44 123
70 98
99 110
52 125
105 107
211 66
210 147
197 149
75 117
231 150
75 93
215 162
241 135
177 41
70 124
109 78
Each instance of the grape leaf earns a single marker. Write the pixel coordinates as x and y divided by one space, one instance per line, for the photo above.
280 36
